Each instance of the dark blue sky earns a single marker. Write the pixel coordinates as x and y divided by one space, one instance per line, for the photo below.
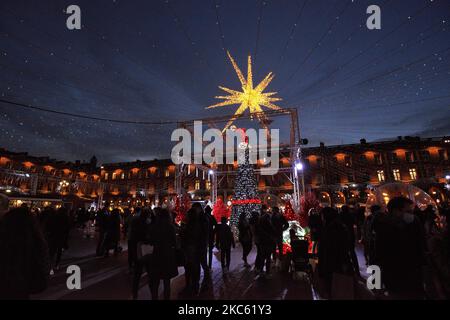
163 60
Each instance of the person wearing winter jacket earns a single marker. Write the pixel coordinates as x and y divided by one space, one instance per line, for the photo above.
224 241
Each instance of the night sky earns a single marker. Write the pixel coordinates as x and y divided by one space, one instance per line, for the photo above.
163 60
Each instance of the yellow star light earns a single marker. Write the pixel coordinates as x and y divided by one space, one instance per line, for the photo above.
251 98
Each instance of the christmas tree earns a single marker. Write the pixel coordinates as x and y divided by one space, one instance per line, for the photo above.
307 202
182 205
289 213
245 191
220 210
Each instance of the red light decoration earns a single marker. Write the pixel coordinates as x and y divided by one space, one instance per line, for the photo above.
245 201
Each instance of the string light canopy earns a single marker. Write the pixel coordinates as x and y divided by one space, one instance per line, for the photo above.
251 97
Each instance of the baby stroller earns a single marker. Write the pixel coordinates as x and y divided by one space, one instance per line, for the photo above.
300 266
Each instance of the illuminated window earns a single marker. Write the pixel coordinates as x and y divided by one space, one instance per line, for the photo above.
122 176
114 176
167 173
413 173
197 185
380 174
106 175
208 185
396 173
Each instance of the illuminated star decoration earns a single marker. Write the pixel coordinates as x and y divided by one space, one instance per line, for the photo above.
251 98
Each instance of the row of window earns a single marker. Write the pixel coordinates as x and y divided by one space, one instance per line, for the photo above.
121 175
319 179
410 157
396 174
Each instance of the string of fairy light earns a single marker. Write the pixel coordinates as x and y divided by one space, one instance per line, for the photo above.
310 52
340 67
387 73
317 45
114 47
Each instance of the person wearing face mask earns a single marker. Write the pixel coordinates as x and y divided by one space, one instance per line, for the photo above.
401 250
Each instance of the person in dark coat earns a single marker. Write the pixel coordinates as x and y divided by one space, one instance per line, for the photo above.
315 226
334 248
205 221
401 250
192 241
112 234
359 220
369 235
56 232
212 225
24 263
245 237
254 221
132 242
267 241
163 262
224 241
140 233
280 224
101 221
348 217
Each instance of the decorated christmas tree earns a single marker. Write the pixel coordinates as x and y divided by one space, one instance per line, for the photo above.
246 198
182 205
307 202
295 222
289 213
220 210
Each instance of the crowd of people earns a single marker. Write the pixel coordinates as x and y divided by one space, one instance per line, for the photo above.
401 240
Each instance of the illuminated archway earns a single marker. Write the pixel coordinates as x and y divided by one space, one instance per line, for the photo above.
383 194
436 194
325 199
340 199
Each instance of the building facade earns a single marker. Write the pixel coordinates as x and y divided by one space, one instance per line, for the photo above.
336 174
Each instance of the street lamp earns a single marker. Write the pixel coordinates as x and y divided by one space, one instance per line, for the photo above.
211 172
299 166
